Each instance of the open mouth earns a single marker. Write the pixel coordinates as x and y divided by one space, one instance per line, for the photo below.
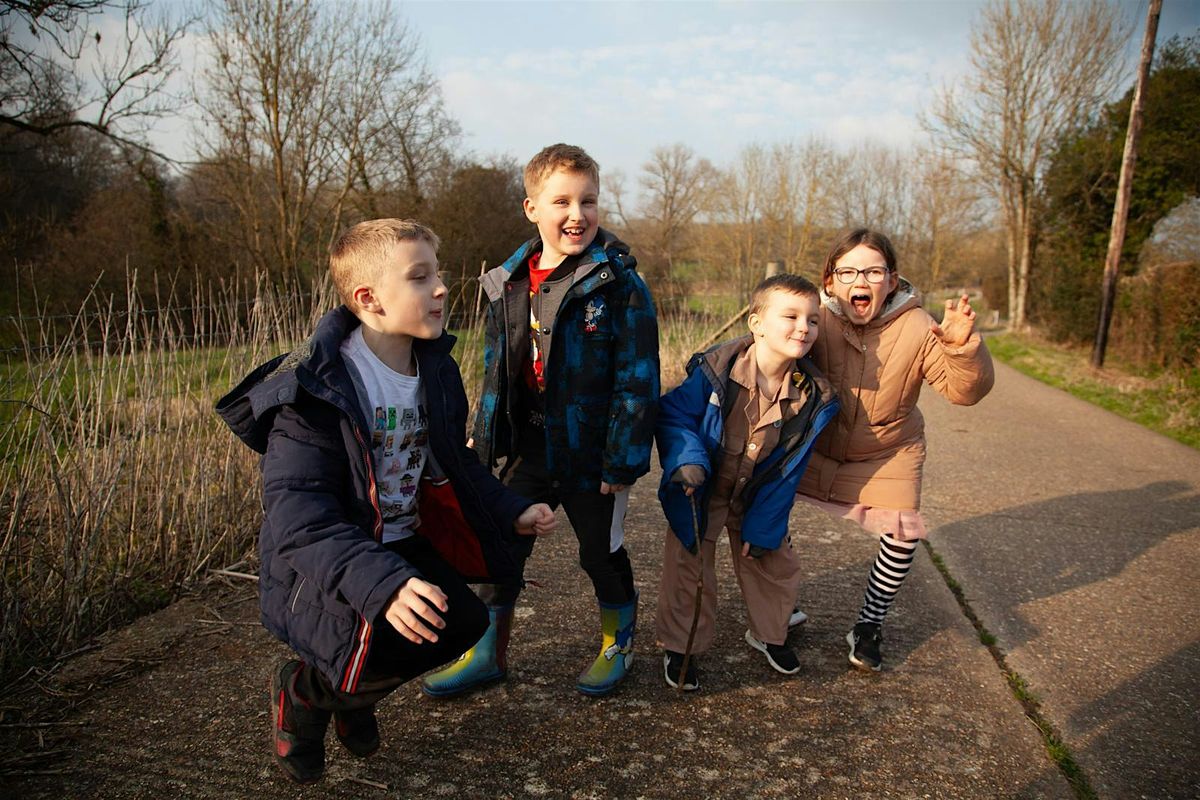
860 301
574 233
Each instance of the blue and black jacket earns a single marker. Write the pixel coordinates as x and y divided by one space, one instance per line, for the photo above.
325 576
601 377
691 429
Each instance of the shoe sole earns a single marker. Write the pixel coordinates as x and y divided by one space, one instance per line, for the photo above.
762 648
857 662
687 687
601 691
442 694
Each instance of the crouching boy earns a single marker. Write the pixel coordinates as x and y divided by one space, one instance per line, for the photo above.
376 513
734 438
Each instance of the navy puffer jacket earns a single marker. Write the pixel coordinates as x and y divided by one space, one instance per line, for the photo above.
325 576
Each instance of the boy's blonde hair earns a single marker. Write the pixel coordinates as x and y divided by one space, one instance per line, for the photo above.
784 282
556 157
359 254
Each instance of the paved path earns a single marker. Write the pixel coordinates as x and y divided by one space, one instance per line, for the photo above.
1076 537
1072 533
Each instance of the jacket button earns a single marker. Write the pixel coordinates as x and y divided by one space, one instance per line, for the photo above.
546 331
603 274
545 290
752 447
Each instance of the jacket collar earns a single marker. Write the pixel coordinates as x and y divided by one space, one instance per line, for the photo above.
603 249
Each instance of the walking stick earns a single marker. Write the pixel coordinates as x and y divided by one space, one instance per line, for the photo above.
687 653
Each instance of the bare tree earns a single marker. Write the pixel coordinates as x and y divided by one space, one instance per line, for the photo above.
311 108
946 212
675 183
799 202
735 211
47 85
1039 67
871 186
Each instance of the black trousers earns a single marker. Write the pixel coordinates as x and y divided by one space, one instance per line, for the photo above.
597 519
394 660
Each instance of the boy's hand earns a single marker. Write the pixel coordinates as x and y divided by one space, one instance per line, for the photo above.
753 550
957 323
537 520
413 607
691 476
612 488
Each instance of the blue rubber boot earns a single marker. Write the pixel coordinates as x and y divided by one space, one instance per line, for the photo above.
617 624
483 664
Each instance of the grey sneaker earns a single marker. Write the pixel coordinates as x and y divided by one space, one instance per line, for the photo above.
798 617
779 656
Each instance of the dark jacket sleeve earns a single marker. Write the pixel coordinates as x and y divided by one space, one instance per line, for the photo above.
305 475
634 403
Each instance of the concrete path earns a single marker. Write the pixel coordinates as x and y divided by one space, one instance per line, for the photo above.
1079 565
1076 537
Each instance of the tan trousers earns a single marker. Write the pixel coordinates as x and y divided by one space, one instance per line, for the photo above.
769 586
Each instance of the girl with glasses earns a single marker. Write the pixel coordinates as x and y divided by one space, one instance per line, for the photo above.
877 347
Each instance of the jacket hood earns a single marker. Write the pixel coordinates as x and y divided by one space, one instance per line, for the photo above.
906 297
316 367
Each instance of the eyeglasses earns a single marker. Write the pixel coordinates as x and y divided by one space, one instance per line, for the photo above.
850 274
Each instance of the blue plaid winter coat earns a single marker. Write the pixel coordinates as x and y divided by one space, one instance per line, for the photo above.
602 375
325 576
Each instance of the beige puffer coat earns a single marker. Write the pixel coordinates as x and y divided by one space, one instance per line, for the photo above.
874 451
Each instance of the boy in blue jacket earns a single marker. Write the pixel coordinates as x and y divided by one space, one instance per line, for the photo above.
376 512
570 390
733 439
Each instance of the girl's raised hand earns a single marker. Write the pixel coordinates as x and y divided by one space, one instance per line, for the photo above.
957 324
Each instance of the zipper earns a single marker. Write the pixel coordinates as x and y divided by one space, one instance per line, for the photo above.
372 489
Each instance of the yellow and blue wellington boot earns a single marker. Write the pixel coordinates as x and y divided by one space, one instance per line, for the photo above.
617 623
483 664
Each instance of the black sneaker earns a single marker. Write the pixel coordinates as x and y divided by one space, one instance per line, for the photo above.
672 664
779 656
357 730
864 643
297 729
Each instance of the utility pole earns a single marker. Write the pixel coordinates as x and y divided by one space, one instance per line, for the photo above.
1116 239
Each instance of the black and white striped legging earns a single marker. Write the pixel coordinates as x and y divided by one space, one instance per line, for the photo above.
887 573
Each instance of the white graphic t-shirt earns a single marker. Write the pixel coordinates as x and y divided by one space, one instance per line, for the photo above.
394 406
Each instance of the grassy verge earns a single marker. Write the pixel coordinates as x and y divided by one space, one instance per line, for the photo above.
1168 403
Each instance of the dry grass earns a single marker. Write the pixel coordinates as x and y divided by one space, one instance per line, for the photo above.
120 488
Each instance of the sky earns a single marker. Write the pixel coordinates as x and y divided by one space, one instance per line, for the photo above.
620 78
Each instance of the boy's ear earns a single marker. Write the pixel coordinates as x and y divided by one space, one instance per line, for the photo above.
754 323
364 296
530 210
